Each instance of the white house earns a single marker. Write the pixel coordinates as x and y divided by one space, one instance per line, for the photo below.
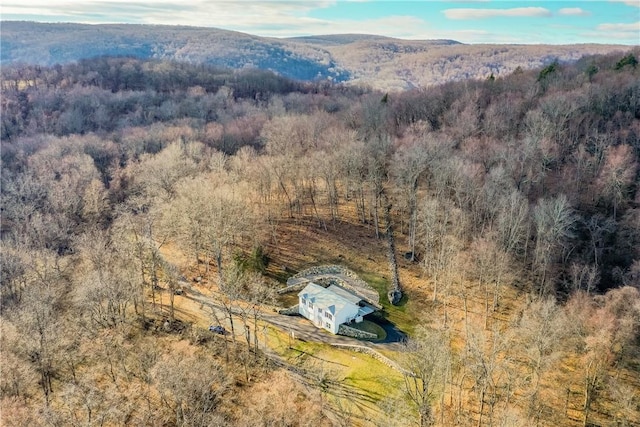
330 307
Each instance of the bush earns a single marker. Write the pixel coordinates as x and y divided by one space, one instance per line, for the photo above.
627 60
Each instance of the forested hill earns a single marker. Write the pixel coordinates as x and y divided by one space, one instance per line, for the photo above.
381 62
139 196
566 132
48 44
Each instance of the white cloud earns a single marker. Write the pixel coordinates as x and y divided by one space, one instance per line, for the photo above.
634 3
390 26
625 33
625 37
240 14
633 27
493 13
573 11
282 18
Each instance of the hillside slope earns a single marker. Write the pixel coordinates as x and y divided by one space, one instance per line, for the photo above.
381 62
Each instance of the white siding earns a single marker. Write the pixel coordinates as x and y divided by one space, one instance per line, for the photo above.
327 309
345 315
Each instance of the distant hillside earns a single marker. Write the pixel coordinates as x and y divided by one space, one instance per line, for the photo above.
47 44
382 62
342 39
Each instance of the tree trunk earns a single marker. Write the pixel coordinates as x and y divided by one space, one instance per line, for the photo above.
321 223
255 330
413 219
376 224
171 300
395 293
481 406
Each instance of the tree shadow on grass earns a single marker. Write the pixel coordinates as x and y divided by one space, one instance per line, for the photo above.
304 353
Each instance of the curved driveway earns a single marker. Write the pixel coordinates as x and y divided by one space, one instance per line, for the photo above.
302 328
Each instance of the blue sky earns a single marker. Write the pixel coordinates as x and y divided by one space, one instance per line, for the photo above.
479 21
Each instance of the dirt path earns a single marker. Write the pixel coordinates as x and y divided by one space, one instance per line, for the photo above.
202 305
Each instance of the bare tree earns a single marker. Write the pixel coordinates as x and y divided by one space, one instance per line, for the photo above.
625 399
583 277
595 361
280 400
512 222
211 217
172 277
490 266
105 279
554 220
441 226
354 167
409 166
259 296
141 233
192 388
377 152
427 363
540 331
616 175
13 269
599 228
485 359
39 318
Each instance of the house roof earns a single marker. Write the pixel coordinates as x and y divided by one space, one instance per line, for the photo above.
333 298
344 294
363 311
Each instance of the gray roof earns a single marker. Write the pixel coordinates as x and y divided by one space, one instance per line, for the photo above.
363 311
332 298
344 294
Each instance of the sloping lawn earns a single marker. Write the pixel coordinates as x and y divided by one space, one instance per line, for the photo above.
400 315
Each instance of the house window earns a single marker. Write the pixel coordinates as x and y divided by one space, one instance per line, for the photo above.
328 315
320 311
304 301
310 305
327 325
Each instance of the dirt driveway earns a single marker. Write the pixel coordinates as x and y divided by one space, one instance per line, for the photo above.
198 307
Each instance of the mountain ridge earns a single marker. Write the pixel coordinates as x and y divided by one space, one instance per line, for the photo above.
380 62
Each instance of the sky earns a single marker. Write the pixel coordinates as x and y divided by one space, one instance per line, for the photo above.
476 21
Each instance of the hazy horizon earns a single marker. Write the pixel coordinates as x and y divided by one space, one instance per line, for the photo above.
472 22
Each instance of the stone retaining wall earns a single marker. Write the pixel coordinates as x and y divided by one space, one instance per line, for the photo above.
355 284
291 311
293 288
371 352
348 331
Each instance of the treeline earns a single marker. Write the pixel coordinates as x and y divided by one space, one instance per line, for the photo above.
107 94
530 180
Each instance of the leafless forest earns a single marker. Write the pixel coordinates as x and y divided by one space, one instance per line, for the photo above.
383 63
516 198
